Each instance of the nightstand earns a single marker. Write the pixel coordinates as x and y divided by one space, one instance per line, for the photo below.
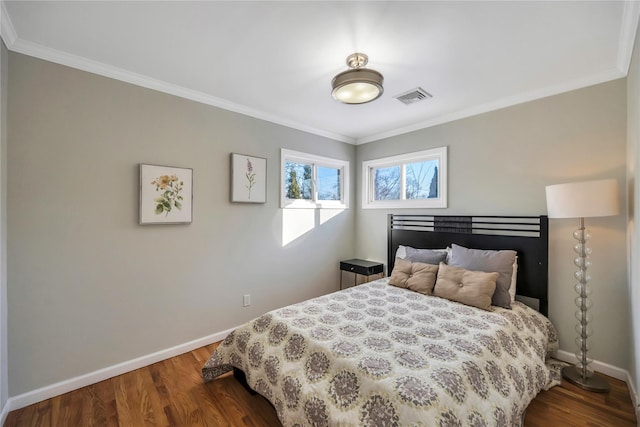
361 267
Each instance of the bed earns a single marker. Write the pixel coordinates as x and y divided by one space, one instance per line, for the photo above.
385 355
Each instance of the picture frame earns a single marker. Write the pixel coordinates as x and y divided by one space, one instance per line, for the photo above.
248 179
166 195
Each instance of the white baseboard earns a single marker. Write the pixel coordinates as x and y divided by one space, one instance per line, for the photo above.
44 393
604 368
4 413
35 396
634 398
610 370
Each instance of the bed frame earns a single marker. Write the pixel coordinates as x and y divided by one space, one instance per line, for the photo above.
528 235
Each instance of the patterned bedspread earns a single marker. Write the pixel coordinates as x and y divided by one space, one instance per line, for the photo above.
378 355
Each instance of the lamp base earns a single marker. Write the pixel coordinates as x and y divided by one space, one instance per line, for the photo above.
592 382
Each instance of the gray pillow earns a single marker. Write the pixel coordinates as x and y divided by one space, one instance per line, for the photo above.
425 256
488 261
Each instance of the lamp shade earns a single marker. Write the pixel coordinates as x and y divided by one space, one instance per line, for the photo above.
357 86
583 199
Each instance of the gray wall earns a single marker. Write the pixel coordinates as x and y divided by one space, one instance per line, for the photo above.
4 382
633 189
500 163
89 287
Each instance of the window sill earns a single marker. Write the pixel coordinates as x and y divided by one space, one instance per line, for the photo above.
312 205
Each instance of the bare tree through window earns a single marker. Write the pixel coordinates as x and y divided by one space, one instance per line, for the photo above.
386 183
328 183
411 180
310 181
420 180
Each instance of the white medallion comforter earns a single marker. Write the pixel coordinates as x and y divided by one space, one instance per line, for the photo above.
378 355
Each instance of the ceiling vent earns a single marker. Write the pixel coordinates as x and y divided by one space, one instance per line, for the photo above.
413 96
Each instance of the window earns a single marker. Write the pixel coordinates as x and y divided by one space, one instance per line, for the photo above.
415 180
310 181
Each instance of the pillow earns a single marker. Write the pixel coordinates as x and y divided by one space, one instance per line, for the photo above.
514 277
473 288
403 251
426 256
415 276
488 261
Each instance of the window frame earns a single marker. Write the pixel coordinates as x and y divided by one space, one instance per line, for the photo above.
315 161
368 201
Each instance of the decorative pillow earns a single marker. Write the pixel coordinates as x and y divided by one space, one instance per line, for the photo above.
473 288
488 261
415 276
426 256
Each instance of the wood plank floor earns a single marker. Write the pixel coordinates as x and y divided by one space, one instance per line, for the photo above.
171 393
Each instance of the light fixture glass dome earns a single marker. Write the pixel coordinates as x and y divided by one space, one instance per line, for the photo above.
357 85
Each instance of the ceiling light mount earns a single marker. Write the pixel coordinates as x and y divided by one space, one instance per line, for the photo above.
358 85
357 60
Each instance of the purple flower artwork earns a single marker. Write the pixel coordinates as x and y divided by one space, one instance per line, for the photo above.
251 177
248 179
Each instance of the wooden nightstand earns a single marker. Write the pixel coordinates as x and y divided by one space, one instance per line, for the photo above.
361 267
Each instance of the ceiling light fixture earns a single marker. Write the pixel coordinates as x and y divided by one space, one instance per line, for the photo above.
358 85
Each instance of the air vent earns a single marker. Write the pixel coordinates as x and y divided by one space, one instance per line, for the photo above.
413 96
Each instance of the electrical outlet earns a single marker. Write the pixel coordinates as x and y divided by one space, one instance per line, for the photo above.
246 300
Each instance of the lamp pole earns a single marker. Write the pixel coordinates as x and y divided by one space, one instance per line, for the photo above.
580 374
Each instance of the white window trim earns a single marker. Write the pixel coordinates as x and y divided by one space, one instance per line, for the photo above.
297 156
368 201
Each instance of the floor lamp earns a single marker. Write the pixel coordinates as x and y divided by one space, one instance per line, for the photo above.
581 200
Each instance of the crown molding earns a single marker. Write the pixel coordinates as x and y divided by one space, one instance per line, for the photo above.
612 74
52 55
95 67
628 31
630 19
7 32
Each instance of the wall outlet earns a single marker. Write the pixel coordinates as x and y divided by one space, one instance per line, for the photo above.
246 300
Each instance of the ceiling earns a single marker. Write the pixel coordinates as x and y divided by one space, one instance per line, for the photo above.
274 60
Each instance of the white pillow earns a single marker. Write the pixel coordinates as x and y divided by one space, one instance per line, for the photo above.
514 277
402 252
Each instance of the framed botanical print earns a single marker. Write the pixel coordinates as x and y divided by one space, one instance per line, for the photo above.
248 179
166 195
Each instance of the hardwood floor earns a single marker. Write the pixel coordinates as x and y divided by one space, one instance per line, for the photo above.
171 393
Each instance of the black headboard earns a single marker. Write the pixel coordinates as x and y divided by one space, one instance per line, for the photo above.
528 235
